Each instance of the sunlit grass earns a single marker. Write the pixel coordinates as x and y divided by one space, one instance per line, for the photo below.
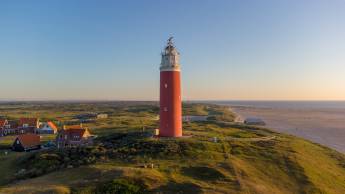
194 164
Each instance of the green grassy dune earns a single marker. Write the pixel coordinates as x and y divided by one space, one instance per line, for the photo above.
244 159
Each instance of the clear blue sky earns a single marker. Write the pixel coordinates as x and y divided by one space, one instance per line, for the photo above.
230 49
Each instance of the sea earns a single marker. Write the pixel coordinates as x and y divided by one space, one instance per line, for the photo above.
322 122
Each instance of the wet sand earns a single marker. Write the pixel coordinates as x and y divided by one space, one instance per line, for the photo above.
323 126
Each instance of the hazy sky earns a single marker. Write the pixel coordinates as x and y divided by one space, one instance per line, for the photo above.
230 49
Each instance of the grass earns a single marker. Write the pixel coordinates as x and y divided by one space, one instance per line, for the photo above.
8 166
6 142
285 164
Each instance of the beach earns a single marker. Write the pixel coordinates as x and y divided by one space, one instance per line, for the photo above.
320 122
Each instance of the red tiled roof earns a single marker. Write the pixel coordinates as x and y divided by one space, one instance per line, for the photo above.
29 140
52 125
2 122
73 127
75 130
29 121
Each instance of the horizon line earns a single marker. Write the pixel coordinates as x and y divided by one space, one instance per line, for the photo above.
153 100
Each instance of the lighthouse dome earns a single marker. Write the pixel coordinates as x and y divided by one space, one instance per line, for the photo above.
170 58
170 49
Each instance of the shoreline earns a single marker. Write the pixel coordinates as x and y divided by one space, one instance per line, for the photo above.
325 127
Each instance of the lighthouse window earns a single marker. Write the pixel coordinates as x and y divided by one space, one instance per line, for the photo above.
166 85
165 109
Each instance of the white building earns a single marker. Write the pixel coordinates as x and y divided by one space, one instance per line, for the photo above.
102 116
47 128
254 121
190 118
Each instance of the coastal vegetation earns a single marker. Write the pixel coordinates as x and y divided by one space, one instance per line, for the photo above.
215 156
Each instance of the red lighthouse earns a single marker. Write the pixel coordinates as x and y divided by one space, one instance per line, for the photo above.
170 113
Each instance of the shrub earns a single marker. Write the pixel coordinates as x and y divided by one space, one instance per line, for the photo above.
120 186
43 162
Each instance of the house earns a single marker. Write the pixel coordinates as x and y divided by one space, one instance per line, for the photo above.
21 126
254 121
47 128
3 123
29 122
26 142
11 128
27 125
102 116
74 135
